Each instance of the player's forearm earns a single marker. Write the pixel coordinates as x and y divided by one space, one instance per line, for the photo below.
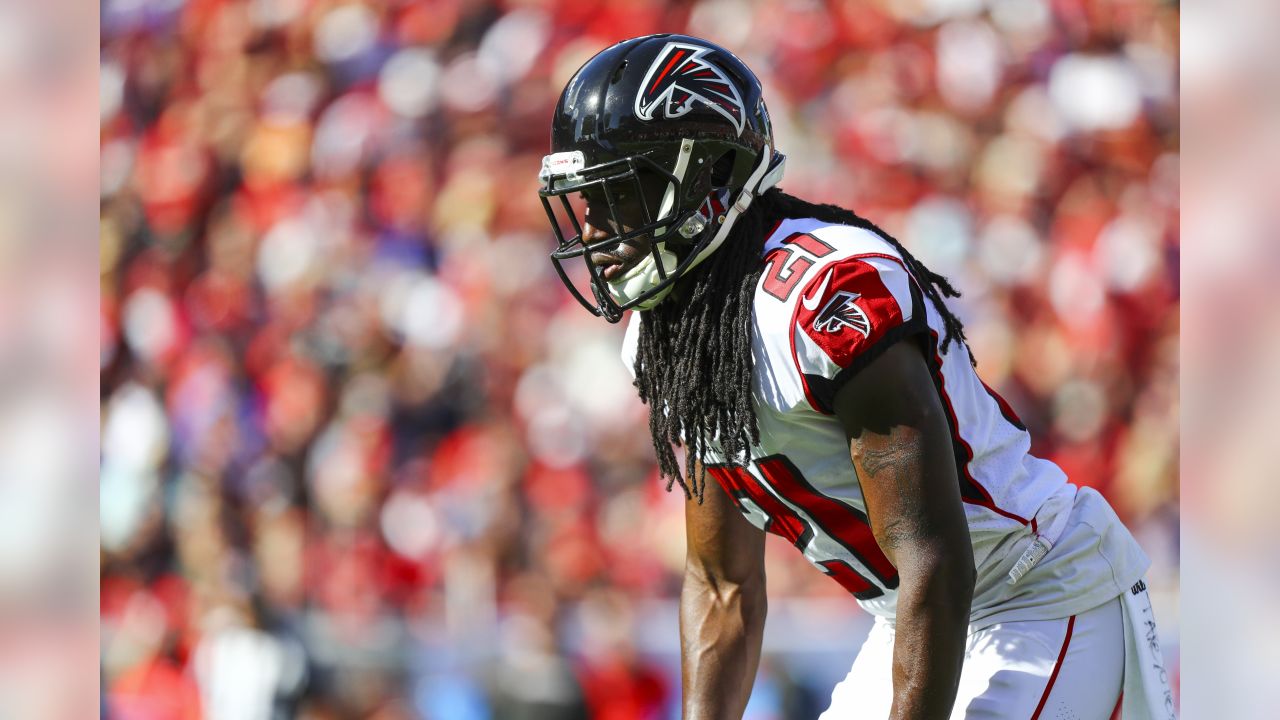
721 625
932 620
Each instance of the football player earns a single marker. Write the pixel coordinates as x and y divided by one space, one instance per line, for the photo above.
821 390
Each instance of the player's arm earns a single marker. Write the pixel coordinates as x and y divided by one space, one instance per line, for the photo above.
901 446
722 608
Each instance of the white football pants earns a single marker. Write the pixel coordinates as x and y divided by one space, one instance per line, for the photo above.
1069 669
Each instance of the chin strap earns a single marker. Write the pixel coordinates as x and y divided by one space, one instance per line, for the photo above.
643 276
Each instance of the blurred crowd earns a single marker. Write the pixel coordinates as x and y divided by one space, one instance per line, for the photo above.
364 457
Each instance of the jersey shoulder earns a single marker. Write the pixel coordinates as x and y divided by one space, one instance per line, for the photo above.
831 298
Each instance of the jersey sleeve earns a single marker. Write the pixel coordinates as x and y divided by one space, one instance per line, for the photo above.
847 315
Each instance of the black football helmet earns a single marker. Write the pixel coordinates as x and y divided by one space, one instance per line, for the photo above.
669 135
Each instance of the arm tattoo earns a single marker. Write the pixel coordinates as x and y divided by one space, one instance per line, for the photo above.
876 460
896 533
896 451
888 465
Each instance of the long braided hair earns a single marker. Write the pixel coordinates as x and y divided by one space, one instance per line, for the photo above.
693 356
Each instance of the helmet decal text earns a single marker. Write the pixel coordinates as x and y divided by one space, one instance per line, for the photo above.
681 77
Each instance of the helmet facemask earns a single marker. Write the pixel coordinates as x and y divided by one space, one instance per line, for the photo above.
679 210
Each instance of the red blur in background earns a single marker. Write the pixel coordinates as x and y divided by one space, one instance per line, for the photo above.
364 457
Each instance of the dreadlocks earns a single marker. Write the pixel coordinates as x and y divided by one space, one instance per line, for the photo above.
693 360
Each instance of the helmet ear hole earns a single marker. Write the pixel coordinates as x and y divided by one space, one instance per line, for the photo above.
717 175
722 169
697 187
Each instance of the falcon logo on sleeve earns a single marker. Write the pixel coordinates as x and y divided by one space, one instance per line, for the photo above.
840 312
857 307
682 77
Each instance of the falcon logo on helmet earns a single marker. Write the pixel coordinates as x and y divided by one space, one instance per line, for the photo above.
841 312
680 77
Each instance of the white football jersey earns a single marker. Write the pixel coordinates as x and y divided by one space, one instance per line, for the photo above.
830 300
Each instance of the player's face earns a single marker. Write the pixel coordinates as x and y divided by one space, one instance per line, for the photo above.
614 261
629 211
